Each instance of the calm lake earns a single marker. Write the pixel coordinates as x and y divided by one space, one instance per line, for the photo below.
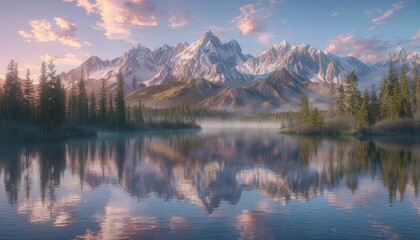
230 183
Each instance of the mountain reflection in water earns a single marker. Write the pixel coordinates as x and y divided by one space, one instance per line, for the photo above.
255 175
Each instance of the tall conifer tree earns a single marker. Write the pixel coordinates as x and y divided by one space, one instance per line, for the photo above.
29 96
82 101
92 108
353 94
120 110
341 102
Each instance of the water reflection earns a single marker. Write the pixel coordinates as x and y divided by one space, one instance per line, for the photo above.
50 183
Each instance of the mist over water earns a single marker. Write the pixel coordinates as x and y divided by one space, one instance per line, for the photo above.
231 180
214 125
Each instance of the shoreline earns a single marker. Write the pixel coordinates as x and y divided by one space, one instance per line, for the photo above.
16 134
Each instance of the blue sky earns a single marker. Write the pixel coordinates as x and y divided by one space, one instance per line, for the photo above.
70 31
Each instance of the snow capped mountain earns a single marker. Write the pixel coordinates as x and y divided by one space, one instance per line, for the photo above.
270 59
139 62
401 58
307 62
210 59
219 75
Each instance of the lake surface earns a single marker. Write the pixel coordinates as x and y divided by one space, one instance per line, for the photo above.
211 184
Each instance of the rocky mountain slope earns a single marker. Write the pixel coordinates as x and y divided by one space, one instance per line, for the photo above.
219 75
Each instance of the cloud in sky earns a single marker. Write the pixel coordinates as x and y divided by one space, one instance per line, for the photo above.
119 17
265 37
180 19
253 20
63 32
374 12
369 48
68 58
387 14
416 37
88 6
334 14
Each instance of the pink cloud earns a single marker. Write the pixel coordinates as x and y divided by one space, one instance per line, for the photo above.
64 32
118 18
395 7
86 4
416 37
67 58
265 37
179 20
253 20
334 14
368 49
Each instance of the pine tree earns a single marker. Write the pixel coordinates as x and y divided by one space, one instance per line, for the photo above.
92 108
128 114
353 94
304 113
404 96
102 102
110 114
13 97
120 103
138 114
341 102
384 98
416 91
393 101
59 94
316 117
332 101
374 107
82 101
72 107
29 96
43 97
362 119
56 100
1 104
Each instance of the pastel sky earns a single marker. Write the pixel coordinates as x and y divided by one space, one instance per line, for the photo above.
70 31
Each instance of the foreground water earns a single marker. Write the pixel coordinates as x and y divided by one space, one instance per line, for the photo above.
214 183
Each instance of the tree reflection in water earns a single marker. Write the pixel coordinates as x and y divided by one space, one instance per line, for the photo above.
208 169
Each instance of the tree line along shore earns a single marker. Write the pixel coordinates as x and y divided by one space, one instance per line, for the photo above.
48 111
392 109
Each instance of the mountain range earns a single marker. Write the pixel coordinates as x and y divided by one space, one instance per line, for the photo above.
216 75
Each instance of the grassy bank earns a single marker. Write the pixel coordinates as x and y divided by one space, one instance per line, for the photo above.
345 127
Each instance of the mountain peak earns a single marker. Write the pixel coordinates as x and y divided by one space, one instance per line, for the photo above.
234 44
139 46
209 34
398 52
283 43
398 49
93 58
209 37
